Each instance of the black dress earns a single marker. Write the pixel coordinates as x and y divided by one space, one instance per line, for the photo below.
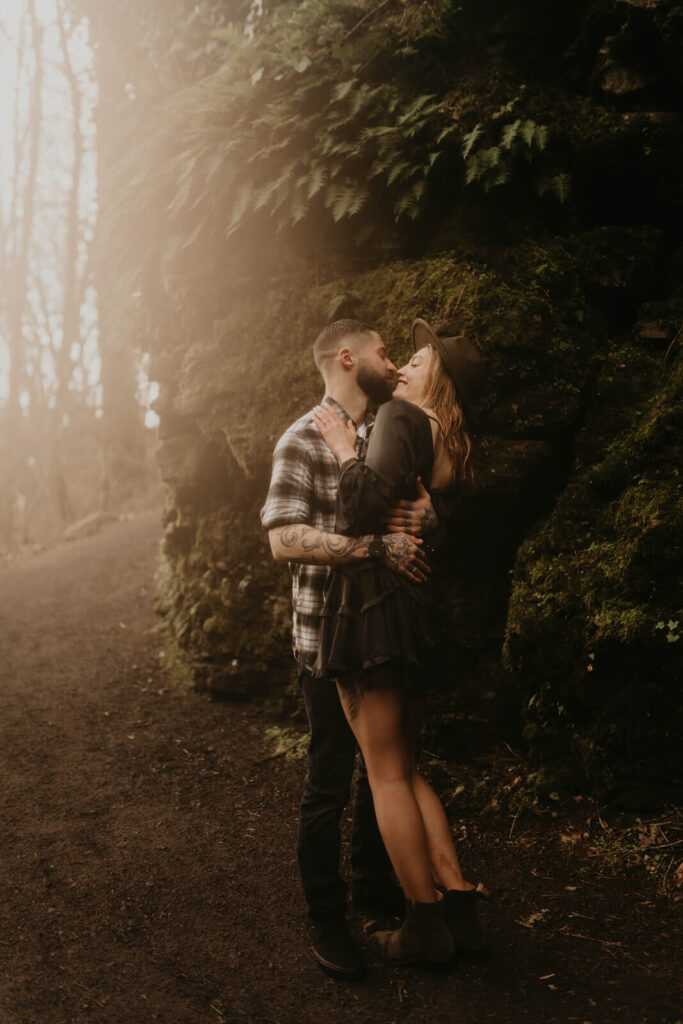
376 625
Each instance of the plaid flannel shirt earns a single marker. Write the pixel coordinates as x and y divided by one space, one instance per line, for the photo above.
303 489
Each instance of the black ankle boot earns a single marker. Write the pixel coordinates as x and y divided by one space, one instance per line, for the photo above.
423 937
464 923
334 949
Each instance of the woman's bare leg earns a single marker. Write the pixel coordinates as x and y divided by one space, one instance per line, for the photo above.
442 853
378 720
444 859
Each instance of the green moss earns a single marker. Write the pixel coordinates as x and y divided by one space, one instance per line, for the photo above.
576 486
293 745
175 664
589 589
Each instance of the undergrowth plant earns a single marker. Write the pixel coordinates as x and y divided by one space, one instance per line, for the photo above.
493 154
323 112
302 117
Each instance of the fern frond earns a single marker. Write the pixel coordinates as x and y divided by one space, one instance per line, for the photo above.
409 203
561 184
264 196
214 165
501 176
472 169
240 205
507 109
344 202
324 147
416 107
267 151
344 149
445 132
360 99
470 139
491 157
380 132
541 137
528 132
316 181
357 202
397 170
380 165
418 189
335 304
331 193
298 208
509 133
334 121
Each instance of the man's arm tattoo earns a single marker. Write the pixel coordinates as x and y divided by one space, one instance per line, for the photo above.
308 544
301 543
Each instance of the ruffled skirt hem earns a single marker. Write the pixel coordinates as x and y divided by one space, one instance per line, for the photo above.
373 619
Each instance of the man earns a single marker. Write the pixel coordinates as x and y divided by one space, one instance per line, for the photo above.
299 515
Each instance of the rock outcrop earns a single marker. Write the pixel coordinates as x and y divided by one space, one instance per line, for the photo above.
565 555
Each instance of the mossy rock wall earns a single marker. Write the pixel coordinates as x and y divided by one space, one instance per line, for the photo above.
567 546
565 557
594 621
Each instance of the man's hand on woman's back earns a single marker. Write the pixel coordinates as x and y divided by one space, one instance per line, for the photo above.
417 518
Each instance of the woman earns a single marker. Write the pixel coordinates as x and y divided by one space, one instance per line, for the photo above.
378 636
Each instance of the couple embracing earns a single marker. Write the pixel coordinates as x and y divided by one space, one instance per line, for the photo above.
358 502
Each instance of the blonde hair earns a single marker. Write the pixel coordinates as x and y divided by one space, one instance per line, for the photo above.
441 396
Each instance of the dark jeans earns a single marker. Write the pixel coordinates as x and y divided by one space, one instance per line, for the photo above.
331 761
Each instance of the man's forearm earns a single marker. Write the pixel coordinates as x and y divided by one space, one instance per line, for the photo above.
301 543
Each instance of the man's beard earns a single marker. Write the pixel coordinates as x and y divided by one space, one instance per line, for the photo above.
375 385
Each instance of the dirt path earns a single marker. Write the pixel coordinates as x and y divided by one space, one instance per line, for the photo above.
147 863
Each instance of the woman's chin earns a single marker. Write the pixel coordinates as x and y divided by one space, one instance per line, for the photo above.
404 393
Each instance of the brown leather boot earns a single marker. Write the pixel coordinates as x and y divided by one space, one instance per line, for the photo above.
423 938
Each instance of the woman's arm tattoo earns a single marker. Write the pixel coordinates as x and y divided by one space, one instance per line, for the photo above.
429 522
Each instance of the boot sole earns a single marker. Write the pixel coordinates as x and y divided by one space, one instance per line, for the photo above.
432 965
438 965
335 971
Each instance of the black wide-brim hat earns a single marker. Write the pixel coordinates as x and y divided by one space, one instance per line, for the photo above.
463 362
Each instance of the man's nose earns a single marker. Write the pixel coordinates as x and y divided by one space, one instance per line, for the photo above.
390 366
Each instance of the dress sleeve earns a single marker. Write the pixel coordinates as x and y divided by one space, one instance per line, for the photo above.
367 489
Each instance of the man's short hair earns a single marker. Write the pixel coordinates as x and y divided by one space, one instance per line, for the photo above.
329 341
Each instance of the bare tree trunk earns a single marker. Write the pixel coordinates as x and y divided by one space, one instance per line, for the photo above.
72 288
15 276
71 296
124 457
23 222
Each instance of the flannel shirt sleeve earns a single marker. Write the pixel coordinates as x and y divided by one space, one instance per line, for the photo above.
291 493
